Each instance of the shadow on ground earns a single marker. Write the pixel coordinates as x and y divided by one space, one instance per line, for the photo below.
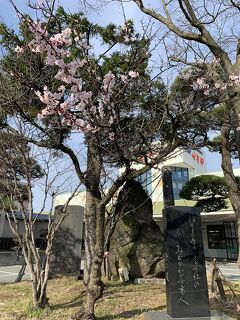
76 302
127 287
130 314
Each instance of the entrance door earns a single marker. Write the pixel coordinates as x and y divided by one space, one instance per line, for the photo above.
231 240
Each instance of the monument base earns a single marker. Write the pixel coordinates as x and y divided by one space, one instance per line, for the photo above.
215 315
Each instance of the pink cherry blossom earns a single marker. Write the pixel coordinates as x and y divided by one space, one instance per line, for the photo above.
127 32
124 79
111 135
40 3
77 106
19 49
108 81
133 74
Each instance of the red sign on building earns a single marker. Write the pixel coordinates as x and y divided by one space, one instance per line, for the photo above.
197 158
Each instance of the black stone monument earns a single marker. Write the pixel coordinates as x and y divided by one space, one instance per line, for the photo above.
186 282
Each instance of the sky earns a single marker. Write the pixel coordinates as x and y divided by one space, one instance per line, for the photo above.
112 13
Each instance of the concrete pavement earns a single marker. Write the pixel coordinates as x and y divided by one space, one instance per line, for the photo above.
9 274
229 269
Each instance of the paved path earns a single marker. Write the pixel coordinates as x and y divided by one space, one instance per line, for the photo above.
9 274
230 270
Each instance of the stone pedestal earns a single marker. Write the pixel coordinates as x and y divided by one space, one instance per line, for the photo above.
215 315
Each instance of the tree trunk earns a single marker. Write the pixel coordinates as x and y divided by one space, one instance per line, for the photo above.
238 235
233 105
94 232
40 300
233 187
39 272
94 249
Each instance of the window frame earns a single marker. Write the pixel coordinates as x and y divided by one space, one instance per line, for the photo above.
177 179
217 237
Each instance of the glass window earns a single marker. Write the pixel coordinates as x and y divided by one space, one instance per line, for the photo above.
216 236
146 180
179 178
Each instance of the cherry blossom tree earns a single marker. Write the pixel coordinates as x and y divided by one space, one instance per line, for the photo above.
205 35
59 86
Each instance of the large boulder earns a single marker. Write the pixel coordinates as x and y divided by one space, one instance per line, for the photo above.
137 242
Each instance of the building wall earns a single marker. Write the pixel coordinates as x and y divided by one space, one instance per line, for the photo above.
2 221
67 245
9 258
181 159
6 232
78 199
195 162
208 252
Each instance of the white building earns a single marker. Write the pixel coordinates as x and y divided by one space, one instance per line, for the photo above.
219 228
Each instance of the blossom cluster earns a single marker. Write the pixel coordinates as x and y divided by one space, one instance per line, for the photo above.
127 31
77 108
210 81
215 87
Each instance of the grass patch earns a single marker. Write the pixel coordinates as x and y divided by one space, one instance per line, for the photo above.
121 302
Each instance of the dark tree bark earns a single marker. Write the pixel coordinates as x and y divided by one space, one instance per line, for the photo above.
94 243
234 190
94 232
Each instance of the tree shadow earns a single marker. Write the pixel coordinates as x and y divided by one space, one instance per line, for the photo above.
130 314
112 288
76 302
114 284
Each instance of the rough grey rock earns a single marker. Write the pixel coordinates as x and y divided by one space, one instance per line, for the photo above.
137 242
